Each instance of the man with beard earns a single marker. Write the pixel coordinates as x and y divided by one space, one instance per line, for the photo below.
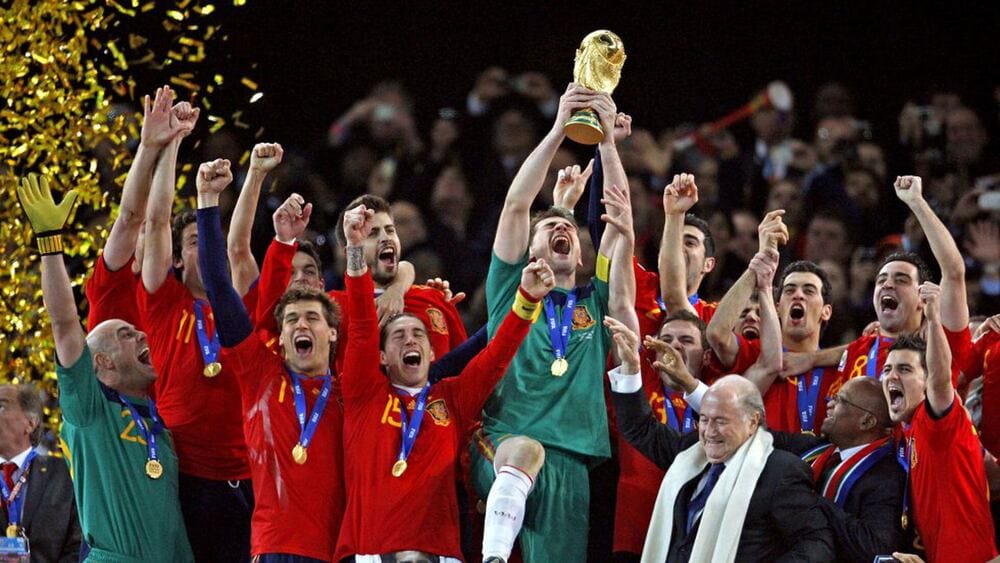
122 459
404 434
947 499
798 403
546 420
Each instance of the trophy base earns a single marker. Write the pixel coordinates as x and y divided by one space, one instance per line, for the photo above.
584 127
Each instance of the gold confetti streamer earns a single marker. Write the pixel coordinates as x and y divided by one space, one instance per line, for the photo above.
64 66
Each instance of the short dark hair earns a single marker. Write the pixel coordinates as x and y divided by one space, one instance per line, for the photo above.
811 268
372 202
307 247
702 225
912 342
689 317
331 310
181 220
383 333
923 271
548 214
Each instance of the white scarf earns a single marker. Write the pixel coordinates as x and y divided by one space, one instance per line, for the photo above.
722 520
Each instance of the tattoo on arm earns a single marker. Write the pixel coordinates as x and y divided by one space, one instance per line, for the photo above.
355 258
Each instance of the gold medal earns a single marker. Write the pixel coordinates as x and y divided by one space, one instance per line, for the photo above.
559 367
299 454
905 521
211 370
12 531
153 469
398 468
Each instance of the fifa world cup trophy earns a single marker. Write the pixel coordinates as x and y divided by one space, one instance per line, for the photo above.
598 66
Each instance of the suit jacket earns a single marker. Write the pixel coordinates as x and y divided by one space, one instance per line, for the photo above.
870 523
784 521
49 513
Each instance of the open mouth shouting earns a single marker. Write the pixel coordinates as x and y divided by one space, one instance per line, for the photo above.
797 313
143 356
561 244
387 256
897 398
751 333
303 345
888 303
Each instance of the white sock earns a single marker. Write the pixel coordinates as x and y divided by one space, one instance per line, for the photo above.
505 511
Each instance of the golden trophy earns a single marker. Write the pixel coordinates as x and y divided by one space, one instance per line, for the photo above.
598 66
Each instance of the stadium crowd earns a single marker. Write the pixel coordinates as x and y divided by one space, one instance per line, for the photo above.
783 346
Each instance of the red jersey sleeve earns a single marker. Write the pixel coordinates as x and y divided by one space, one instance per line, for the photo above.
647 305
253 360
746 355
481 375
274 276
975 362
361 377
960 343
104 292
943 432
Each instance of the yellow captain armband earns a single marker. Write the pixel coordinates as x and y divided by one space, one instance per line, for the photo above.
50 243
603 267
526 306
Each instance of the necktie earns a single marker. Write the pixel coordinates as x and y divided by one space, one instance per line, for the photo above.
698 502
831 463
9 467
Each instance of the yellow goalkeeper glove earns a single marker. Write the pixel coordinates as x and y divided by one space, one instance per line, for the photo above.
48 220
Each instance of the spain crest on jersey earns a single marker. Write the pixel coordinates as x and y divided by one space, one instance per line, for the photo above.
581 318
437 320
439 412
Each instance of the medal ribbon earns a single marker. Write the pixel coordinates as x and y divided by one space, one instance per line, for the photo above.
13 497
411 428
672 419
871 368
853 468
903 456
559 335
148 434
807 399
308 427
209 346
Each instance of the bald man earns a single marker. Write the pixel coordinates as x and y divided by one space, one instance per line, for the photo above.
725 477
121 457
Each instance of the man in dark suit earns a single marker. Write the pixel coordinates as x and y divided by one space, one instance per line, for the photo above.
782 520
856 471
43 507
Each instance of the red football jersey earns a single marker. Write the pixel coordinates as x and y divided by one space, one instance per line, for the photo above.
203 414
297 508
949 496
985 360
419 509
781 402
854 361
109 295
648 304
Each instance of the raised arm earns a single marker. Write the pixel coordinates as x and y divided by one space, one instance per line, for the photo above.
954 305
231 317
392 300
159 127
768 365
678 198
940 393
158 252
48 221
621 278
613 173
263 159
771 232
515 220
